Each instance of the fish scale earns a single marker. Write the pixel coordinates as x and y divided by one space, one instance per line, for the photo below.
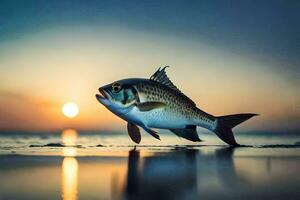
176 104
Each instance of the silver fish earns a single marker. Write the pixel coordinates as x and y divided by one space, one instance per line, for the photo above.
158 103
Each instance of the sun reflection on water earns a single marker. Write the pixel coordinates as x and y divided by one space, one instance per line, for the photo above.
69 178
69 151
69 165
69 137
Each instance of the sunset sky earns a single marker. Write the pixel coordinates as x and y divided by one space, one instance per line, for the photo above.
229 57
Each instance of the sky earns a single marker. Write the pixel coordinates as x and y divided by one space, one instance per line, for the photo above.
228 56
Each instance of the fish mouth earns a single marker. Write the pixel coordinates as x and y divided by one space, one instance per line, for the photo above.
103 94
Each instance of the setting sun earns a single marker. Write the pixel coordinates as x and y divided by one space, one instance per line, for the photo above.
70 109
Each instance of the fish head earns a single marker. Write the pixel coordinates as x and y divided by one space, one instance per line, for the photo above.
119 97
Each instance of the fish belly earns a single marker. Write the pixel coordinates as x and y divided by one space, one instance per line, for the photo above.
156 118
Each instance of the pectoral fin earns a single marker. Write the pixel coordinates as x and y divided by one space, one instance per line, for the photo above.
189 133
134 132
147 106
151 132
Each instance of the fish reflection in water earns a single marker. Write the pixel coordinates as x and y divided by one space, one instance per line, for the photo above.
175 174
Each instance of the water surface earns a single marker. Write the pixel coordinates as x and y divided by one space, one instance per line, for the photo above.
84 166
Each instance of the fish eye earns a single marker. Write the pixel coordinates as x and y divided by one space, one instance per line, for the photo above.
116 87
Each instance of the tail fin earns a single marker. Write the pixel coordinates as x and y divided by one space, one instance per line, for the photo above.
226 123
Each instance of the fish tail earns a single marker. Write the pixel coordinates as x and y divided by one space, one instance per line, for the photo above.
226 123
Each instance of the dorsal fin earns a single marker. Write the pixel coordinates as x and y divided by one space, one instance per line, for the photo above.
161 76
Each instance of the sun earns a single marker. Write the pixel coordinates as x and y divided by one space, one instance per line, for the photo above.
70 109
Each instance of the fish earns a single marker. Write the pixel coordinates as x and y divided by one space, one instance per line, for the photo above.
156 103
